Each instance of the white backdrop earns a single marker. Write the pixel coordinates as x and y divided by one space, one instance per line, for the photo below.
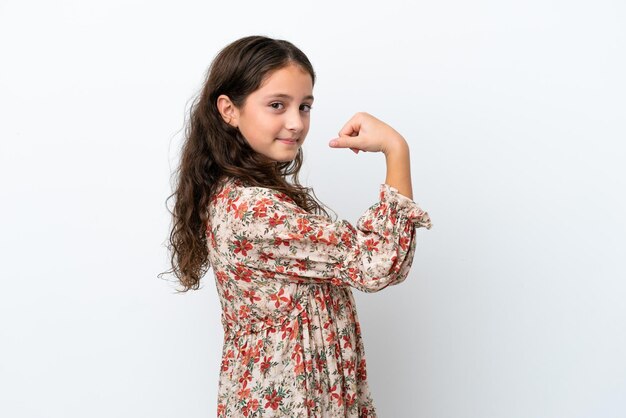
515 116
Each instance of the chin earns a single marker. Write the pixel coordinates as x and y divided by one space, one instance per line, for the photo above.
285 157
285 160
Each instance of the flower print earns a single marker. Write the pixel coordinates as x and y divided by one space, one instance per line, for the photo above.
381 209
278 241
349 366
276 220
346 238
290 332
228 316
250 354
279 298
247 377
231 205
297 353
319 237
266 364
256 350
370 245
346 342
228 296
241 210
301 265
211 236
295 236
221 276
265 257
251 406
315 238
336 395
259 211
304 225
304 318
242 246
337 353
226 360
317 387
269 274
284 198
361 372
298 369
244 311
243 273
319 364
353 273
222 195
273 400
397 266
251 295
284 278
321 300
243 393
310 404
350 399
260 208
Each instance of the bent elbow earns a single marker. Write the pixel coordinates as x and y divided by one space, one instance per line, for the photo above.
374 273
379 278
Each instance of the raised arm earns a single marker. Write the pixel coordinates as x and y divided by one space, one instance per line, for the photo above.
264 235
399 168
364 132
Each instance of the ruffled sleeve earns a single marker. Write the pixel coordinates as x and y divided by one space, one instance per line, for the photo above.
271 238
391 223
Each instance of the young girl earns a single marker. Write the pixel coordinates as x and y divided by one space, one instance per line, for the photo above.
283 268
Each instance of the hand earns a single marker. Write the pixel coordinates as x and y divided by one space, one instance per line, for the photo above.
363 132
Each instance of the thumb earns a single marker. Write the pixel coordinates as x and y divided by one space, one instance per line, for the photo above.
344 141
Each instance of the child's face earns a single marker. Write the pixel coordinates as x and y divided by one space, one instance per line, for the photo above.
275 118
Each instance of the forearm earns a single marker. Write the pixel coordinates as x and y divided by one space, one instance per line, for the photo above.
399 168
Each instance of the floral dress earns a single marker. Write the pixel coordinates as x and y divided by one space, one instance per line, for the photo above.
292 340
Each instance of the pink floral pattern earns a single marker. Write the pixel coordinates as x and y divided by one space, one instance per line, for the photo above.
292 340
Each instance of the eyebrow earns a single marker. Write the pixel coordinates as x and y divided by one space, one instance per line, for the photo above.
286 96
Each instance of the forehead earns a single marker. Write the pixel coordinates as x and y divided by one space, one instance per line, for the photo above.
292 80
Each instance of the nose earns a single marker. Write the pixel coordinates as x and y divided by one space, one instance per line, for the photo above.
294 121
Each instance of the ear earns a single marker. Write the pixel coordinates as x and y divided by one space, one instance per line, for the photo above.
228 110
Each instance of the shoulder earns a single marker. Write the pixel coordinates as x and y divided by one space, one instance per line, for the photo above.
233 193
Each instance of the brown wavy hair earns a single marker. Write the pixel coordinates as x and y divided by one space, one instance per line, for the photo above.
213 149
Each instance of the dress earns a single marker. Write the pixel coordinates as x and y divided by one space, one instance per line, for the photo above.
292 340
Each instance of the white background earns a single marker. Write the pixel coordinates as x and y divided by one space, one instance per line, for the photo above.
514 111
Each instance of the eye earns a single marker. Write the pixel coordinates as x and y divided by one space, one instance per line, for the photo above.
276 105
306 108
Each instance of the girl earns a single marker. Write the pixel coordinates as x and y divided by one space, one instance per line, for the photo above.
283 268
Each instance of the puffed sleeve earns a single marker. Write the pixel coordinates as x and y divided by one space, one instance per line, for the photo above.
273 238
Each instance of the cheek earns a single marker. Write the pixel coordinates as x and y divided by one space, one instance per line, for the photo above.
265 121
306 122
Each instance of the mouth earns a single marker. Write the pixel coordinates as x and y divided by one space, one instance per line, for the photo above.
288 140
